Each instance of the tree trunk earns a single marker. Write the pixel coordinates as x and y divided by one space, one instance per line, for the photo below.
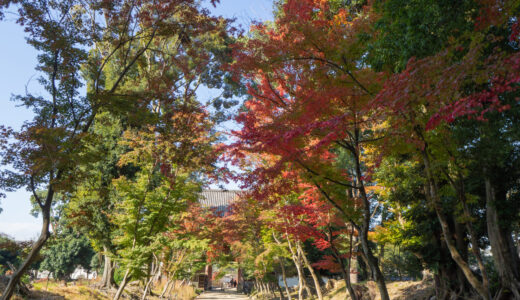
158 273
284 278
260 287
381 254
459 187
462 247
311 270
504 254
122 286
433 195
475 249
517 242
36 247
146 288
373 264
365 227
107 281
446 279
297 264
172 286
282 297
155 269
165 289
306 287
257 286
344 272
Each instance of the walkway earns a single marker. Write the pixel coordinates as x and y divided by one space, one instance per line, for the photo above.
214 295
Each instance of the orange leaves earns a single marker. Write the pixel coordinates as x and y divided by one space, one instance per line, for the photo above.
341 18
374 235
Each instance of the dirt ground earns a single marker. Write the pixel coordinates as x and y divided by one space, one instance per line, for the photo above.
398 290
230 295
85 290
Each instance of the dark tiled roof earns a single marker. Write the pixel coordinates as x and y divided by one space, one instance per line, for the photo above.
218 198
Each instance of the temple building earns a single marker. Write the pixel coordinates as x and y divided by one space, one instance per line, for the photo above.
219 201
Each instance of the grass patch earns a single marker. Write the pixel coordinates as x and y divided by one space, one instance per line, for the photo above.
56 290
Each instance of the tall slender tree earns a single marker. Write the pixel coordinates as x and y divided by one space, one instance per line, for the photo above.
309 102
94 43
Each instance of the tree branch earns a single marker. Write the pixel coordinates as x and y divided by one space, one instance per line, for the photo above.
33 189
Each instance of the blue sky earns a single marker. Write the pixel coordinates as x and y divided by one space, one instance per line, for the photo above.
17 61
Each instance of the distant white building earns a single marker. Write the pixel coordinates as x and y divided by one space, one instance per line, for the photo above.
79 273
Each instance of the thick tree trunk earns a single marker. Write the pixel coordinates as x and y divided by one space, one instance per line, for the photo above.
462 247
475 249
374 267
433 195
504 254
446 279
122 286
107 281
459 187
311 270
443 284
36 247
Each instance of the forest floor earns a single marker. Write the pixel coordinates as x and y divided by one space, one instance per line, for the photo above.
397 290
83 290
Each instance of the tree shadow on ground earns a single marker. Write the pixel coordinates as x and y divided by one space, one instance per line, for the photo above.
37 295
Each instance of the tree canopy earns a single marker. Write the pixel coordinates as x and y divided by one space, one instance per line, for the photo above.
373 140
